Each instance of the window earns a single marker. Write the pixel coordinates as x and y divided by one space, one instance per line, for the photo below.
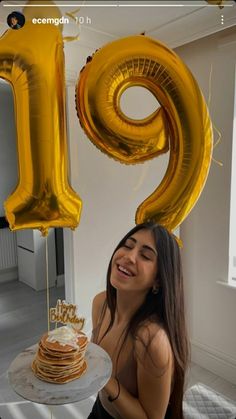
232 233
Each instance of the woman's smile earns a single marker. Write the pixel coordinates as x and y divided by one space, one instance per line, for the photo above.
124 271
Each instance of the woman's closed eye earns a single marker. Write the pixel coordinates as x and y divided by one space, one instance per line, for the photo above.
147 256
127 246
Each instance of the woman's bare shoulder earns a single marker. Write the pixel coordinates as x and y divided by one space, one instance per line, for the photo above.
148 330
97 306
99 299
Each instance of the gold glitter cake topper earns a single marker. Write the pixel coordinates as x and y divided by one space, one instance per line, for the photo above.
66 313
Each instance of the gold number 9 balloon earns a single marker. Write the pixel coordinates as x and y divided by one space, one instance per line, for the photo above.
181 125
32 61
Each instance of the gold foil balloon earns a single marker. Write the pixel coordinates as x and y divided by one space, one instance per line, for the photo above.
101 84
32 61
219 3
182 124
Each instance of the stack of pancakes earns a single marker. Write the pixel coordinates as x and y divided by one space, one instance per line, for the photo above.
60 363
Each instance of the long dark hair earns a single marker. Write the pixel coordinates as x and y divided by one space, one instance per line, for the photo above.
167 306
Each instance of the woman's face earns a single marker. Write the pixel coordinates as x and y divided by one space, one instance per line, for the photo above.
134 265
14 21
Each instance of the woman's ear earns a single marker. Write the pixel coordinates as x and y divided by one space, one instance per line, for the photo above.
155 288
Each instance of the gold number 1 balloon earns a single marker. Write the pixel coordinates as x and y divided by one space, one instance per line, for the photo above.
182 124
32 61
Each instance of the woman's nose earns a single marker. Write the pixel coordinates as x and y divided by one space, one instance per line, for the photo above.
131 255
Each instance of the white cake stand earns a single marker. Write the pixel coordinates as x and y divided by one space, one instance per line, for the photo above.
24 382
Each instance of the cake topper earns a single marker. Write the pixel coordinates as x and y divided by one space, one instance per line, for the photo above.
66 313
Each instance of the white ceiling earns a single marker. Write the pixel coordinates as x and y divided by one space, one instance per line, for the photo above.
172 22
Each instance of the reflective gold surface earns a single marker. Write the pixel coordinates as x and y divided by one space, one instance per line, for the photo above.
32 61
181 125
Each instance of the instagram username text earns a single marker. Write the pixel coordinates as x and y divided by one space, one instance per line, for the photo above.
60 21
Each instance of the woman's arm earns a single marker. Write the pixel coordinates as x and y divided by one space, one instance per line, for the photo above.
127 406
154 376
155 372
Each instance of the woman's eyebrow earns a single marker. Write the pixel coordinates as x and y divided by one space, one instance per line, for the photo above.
145 246
150 248
133 239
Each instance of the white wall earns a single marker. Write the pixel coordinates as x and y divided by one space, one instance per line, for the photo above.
205 233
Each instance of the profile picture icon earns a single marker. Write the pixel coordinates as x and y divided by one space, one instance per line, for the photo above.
16 20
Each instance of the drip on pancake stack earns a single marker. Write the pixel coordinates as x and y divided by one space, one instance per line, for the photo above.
60 355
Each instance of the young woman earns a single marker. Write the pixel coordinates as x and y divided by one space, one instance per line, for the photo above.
140 322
